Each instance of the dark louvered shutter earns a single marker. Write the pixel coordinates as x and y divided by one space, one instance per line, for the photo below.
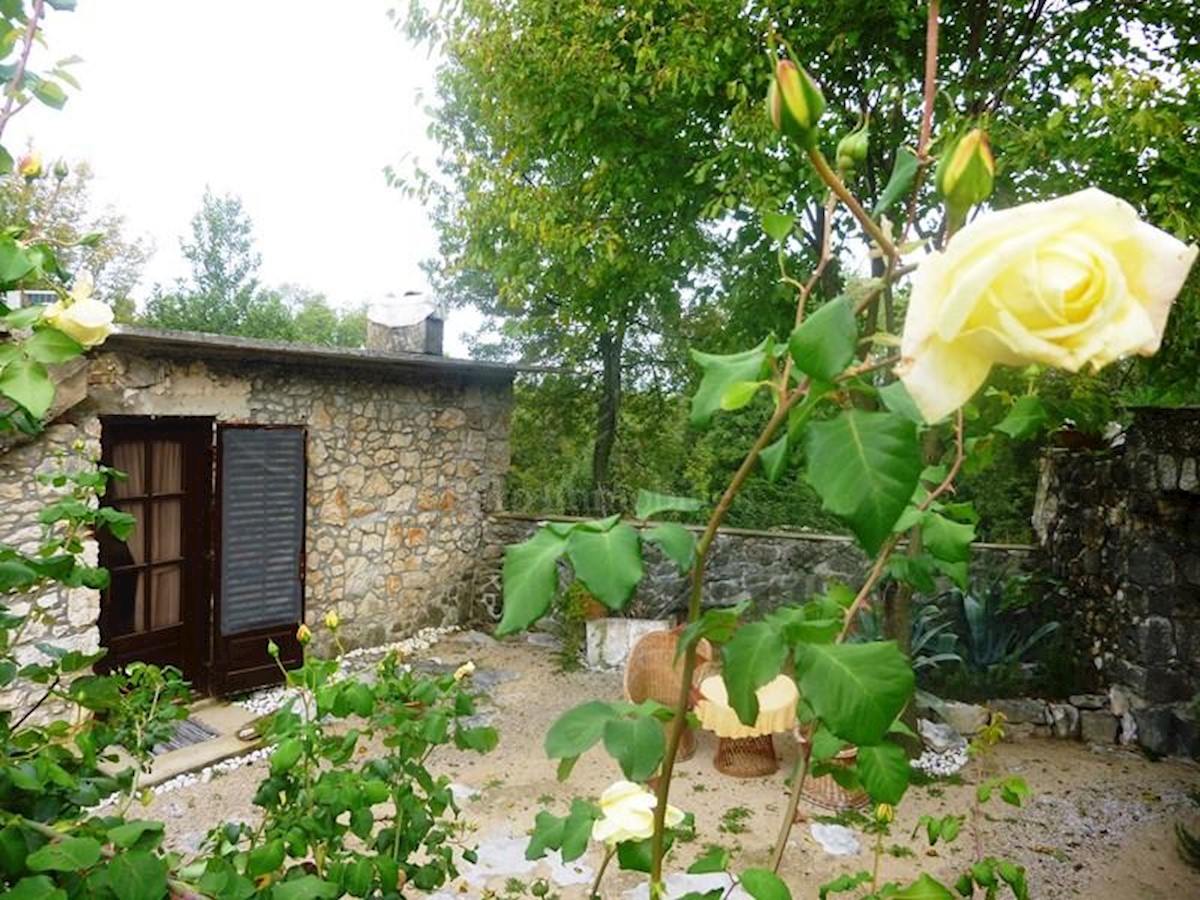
262 487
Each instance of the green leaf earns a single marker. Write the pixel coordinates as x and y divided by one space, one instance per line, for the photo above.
547 835
904 170
286 755
823 344
722 371
740 393
530 580
1025 419
634 856
947 540
777 225
715 860
609 563
753 658
650 504
857 690
637 745
577 829
578 729
51 346
864 466
896 398
39 887
50 93
138 875
6 162
15 263
718 624
15 574
306 887
127 834
924 888
677 543
774 458
24 317
68 855
265 858
27 383
843 883
884 771
762 884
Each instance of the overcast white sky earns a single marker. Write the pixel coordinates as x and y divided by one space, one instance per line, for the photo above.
294 105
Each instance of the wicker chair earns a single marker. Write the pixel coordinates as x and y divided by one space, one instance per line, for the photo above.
653 673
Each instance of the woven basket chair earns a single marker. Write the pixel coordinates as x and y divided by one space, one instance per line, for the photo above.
828 794
652 673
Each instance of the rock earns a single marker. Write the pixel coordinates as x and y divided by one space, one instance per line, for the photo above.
965 718
1128 728
1187 732
1154 731
1097 727
1021 710
610 640
1121 700
1088 701
1018 732
939 737
836 840
1064 720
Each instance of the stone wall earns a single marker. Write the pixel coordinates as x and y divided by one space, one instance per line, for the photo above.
1121 533
402 471
771 568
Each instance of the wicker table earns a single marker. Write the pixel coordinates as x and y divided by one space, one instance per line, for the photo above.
747 751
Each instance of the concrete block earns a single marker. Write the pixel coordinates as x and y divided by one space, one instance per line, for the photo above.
610 640
1097 727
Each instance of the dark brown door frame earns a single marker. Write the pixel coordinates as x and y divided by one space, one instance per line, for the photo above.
240 661
189 647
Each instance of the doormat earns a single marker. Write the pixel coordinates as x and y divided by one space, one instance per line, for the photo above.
187 732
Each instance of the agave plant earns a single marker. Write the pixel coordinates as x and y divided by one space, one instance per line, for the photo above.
992 635
933 641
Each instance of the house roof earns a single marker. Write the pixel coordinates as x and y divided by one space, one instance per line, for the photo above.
196 345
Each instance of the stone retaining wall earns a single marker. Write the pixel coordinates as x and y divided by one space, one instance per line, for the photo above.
771 568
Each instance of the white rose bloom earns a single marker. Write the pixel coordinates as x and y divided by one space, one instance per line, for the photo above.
86 320
628 814
1070 282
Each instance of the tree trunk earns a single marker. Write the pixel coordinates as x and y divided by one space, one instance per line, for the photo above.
611 345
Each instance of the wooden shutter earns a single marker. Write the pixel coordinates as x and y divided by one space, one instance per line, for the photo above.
261 478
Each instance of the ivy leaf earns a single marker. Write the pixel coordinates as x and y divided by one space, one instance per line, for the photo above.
857 690
904 170
884 771
753 658
609 563
722 371
637 745
530 580
947 540
138 875
777 225
547 835
774 458
27 383
650 504
762 884
51 346
676 542
823 344
577 829
1025 419
864 466
578 729
67 855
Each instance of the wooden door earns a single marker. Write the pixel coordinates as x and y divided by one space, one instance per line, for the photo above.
156 607
260 575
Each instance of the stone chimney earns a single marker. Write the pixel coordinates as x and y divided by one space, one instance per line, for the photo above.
412 323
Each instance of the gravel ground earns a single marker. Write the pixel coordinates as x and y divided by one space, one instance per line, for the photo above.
1100 823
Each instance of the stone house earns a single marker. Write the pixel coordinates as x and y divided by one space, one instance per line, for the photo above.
272 483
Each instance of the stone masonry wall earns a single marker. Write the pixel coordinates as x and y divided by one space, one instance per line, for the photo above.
1121 534
771 568
402 471
67 616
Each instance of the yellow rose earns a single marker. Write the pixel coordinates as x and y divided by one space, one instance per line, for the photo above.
466 670
1069 282
303 634
332 621
628 814
86 320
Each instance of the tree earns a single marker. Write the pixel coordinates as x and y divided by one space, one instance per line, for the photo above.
224 277
61 212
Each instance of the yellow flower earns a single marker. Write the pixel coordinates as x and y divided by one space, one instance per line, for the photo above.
86 320
303 634
29 166
1070 282
332 621
795 103
884 813
628 814
966 174
466 670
